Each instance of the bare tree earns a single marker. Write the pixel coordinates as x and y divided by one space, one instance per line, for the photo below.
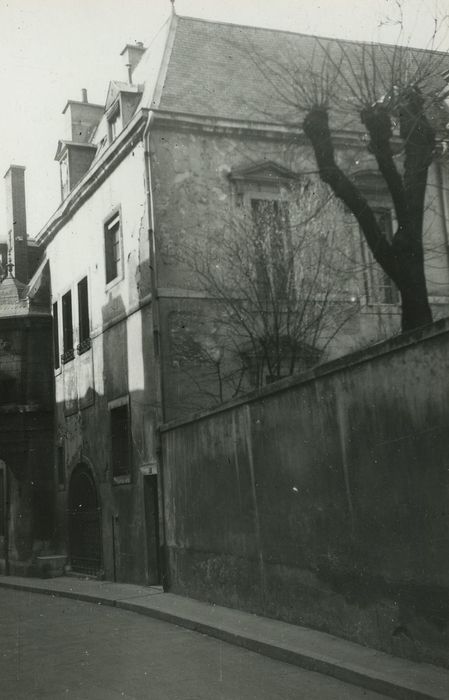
278 290
395 95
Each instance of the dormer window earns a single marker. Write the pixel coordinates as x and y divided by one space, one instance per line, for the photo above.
114 121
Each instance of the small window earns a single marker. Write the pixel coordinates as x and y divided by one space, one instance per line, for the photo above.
8 390
2 503
56 335
60 466
112 245
67 328
120 443
83 316
379 288
114 121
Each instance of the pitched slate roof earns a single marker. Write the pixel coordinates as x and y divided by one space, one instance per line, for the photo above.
241 72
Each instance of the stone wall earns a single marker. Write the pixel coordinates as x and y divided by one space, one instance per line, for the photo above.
196 203
26 440
322 500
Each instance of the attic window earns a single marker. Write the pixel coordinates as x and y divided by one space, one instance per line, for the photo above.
114 121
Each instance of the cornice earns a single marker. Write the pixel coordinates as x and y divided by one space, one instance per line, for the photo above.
256 129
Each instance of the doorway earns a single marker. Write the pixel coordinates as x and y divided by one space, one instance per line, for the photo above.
84 523
150 492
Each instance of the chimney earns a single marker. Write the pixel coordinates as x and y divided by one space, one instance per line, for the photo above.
82 118
132 53
16 220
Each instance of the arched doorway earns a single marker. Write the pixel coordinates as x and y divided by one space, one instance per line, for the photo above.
84 522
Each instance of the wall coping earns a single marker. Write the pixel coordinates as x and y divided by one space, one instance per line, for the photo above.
340 364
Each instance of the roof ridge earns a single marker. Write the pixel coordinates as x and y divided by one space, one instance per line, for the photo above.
309 36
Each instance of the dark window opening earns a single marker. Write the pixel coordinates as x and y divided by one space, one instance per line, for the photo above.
67 328
8 390
2 503
379 288
83 316
271 219
120 442
56 335
112 244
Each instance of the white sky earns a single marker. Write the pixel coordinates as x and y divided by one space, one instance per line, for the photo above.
50 49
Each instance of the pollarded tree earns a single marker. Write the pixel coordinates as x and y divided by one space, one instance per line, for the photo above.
395 96
279 291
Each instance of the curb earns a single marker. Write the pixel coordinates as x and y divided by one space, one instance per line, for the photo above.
341 670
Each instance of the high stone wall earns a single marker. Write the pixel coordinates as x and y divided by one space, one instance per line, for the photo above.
322 500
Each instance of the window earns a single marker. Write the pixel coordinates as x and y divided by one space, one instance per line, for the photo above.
114 121
83 316
112 245
60 466
271 219
379 288
120 443
67 328
56 335
2 503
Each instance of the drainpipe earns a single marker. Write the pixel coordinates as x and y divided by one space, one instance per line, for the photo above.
156 334
153 259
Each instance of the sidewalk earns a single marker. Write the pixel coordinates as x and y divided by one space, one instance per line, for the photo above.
312 650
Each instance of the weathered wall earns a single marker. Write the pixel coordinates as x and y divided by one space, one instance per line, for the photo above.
323 500
118 365
26 439
195 201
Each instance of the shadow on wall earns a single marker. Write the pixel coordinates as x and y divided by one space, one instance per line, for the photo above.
109 444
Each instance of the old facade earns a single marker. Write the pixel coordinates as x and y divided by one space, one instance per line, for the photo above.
178 152
26 401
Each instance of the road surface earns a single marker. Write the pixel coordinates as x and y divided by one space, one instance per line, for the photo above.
58 648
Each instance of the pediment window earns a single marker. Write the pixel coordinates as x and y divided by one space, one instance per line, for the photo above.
266 175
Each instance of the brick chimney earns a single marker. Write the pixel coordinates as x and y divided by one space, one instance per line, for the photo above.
16 221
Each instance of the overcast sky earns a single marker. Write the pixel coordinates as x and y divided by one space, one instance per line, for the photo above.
50 49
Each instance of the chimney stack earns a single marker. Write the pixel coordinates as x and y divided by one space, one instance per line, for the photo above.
132 53
16 221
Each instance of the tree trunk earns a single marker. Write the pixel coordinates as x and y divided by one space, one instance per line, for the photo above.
414 298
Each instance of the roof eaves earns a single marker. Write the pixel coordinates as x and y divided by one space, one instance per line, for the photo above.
99 170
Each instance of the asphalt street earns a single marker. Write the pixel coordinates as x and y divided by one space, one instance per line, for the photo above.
57 648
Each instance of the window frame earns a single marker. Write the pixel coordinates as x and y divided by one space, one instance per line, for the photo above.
56 336
108 220
376 294
60 465
113 119
3 502
68 353
84 320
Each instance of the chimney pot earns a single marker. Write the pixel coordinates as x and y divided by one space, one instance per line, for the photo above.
84 95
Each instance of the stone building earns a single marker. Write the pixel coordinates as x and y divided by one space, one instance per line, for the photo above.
193 138
26 400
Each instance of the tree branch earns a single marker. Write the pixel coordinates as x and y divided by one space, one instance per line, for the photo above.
316 128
